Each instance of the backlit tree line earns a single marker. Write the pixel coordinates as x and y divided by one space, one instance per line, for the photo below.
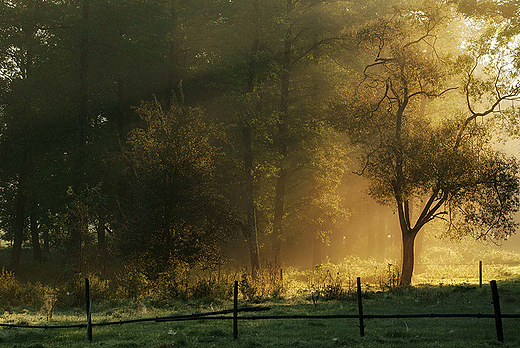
164 131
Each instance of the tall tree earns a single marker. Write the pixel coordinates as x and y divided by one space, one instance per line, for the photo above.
303 30
26 104
178 215
448 163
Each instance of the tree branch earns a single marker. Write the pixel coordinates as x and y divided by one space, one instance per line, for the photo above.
432 95
367 162
378 61
474 114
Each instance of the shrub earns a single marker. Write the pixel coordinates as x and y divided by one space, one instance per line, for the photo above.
210 288
171 284
16 293
71 293
132 283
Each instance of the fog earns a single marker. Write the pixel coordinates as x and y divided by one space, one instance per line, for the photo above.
372 232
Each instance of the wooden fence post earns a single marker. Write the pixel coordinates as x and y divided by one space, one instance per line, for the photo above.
235 311
498 314
360 308
89 309
480 273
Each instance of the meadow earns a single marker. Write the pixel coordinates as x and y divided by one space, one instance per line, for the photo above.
436 332
442 286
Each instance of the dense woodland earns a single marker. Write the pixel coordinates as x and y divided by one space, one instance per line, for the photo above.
155 132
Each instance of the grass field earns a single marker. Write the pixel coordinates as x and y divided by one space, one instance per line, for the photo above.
434 332
442 285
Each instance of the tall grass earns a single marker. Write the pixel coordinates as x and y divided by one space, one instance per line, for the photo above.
49 285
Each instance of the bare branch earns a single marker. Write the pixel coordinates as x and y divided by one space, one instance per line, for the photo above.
367 162
429 213
439 215
422 38
273 54
496 82
426 208
474 115
300 33
433 95
379 61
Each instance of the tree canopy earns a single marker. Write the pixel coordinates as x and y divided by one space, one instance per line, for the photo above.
162 132
445 160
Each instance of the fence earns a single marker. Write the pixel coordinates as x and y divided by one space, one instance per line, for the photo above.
222 315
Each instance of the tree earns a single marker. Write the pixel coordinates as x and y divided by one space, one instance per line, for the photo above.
177 215
261 46
243 58
70 73
304 28
446 161
27 73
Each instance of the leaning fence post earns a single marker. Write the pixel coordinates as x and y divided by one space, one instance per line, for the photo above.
235 311
480 273
360 308
498 314
89 309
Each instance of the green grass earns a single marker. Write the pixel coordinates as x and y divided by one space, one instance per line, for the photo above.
436 332
450 287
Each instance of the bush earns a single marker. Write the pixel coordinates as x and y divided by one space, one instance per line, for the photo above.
132 284
211 288
71 293
15 293
184 282
168 286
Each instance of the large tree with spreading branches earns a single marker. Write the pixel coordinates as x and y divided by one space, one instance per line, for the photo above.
413 116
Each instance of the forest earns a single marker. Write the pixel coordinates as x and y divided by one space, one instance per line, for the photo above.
145 134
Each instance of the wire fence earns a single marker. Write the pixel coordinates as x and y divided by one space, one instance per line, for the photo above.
232 314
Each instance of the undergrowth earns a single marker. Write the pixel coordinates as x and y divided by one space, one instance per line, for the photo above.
59 287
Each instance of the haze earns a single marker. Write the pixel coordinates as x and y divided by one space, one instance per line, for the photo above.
258 134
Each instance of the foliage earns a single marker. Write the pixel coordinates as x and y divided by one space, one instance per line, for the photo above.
176 214
14 293
267 284
183 281
407 153
326 286
71 293
190 284
143 142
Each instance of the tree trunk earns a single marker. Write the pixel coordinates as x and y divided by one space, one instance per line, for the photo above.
371 228
316 251
16 254
420 238
419 267
177 63
279 209
251 231
282 134
75 242
253 252
408 258
121 119
251 228
46 244
83 80
382 238
35 239
102 245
